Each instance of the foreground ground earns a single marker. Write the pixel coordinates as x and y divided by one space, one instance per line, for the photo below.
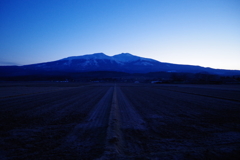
119 121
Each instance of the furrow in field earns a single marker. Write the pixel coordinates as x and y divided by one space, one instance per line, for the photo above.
133 127
21 91
125 129
130 118
33 101
76 102
231 95
184 123
89 136
44 111
99 114
121 121
113 143
36 100
45 132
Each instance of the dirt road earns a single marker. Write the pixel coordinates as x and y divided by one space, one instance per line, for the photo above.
121 121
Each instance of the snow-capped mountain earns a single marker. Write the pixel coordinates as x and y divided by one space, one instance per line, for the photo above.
119 58
124 62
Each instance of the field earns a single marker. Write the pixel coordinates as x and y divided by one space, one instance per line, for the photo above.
119 121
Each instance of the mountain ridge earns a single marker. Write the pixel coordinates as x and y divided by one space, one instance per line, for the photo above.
124 62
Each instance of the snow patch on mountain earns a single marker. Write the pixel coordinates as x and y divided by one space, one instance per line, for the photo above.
89 56
144 63
41 65
95 62
125 57
119 58
85 63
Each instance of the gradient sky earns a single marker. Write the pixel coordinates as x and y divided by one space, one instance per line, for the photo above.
196 32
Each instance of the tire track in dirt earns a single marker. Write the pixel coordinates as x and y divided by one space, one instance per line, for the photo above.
124 123
113 143
129 116
88 137
133 127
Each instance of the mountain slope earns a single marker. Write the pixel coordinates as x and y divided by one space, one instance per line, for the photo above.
123 62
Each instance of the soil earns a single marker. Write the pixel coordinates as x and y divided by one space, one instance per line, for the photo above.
119 121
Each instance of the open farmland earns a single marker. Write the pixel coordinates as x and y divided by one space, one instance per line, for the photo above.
119 121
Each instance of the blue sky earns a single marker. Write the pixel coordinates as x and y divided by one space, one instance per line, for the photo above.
196 32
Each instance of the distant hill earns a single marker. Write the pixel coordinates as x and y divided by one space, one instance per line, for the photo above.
123 63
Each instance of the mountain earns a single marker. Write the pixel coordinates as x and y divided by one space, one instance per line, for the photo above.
123 62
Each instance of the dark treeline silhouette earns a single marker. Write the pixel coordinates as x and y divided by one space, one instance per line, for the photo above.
111 76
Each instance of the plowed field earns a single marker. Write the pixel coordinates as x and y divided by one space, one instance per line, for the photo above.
119 121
